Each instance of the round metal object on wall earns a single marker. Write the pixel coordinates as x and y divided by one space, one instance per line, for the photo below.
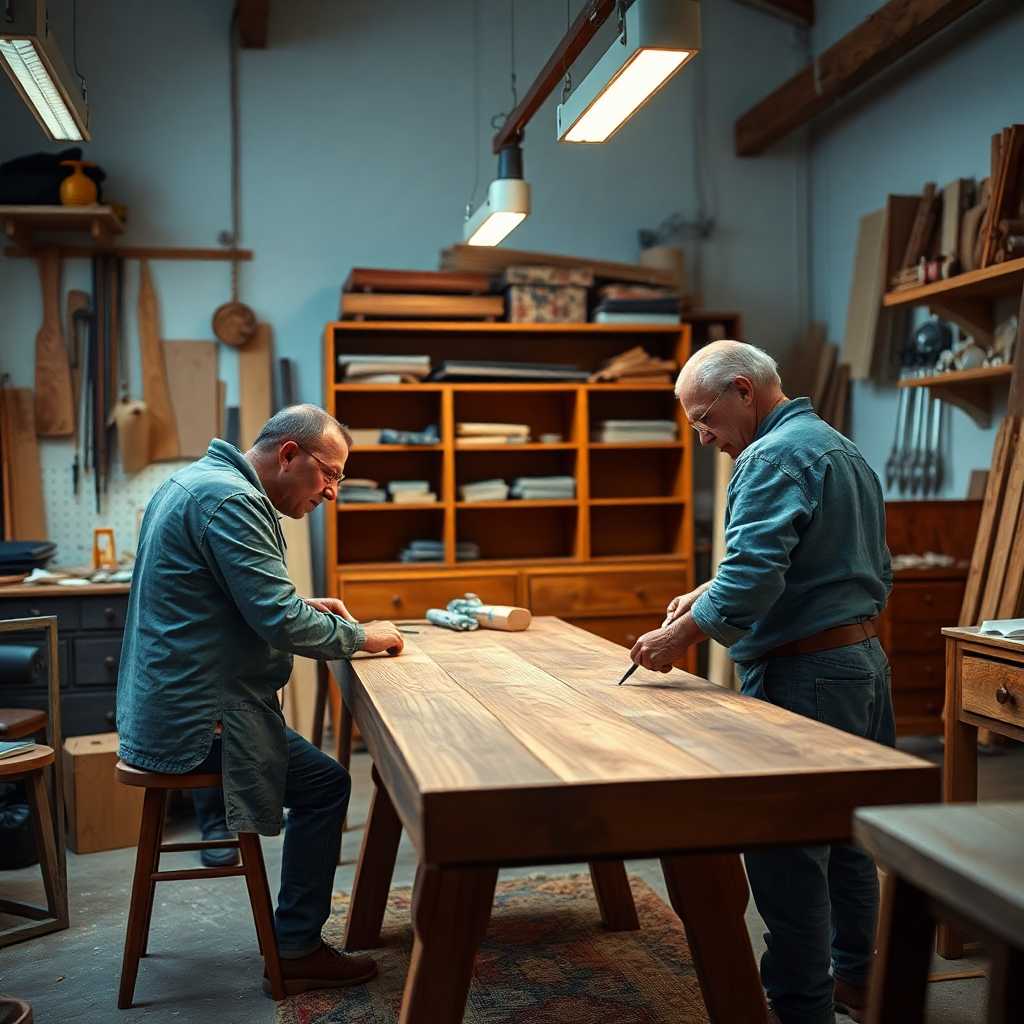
234 323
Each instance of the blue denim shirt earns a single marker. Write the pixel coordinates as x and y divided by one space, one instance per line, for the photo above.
213 621
804 538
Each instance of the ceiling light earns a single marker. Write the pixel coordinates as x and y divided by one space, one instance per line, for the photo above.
30 56
656 38
507 203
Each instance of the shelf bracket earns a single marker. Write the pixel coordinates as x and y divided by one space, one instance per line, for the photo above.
971 315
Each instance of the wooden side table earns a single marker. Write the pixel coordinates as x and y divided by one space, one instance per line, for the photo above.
962 862
984 690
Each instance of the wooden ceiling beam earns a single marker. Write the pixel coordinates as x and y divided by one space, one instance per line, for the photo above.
253 18
799 11
895 29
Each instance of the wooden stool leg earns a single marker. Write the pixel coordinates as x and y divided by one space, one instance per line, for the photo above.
262 910
451 908
614 896
373 873
156 867
709 893
906 931
49 862
142 890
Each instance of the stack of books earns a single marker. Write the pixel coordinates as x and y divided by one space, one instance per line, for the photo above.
636 366
470 435
433 551
428 435
484 490
361 491
544 488
411 492
636 304
485 370
626 431
383 369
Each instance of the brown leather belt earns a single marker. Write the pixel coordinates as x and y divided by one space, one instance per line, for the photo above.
827 639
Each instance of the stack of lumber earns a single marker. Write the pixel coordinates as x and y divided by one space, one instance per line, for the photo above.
492 260
1003 218
813 371
418 295
637 366
995 582
919 242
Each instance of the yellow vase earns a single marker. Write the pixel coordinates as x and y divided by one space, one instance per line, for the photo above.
77 189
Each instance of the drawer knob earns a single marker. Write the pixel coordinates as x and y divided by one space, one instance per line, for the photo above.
35 612
1004 696
396 600
110 717
109 662
641 594
929 598
630 639
108 614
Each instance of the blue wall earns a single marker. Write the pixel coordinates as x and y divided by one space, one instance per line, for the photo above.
358 142
932 125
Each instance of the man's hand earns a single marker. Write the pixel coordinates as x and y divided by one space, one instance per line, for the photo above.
332 605
659 648
382 636
680 605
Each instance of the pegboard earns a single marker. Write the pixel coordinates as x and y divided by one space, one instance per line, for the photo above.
70 520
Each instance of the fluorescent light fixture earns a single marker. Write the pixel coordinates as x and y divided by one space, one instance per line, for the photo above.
507 203
656 39
30 56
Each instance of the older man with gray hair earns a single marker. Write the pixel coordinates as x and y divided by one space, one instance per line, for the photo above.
806 572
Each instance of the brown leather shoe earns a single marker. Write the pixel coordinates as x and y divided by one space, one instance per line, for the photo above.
325 967
852 1000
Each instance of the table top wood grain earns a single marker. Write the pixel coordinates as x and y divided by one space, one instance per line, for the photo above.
519 748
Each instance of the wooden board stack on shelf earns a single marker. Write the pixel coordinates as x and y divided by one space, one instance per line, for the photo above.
418 295
1004 217
626 531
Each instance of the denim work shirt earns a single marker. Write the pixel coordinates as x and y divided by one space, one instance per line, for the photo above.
213 621
804 538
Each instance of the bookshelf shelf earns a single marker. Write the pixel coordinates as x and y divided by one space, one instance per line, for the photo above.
632 513
388 506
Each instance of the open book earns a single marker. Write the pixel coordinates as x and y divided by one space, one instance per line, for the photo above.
1010 629
11 748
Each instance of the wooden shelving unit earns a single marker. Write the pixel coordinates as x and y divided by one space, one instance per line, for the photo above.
970 390
22 222
966 299
631 518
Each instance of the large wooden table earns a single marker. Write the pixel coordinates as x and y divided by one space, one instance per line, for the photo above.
496 749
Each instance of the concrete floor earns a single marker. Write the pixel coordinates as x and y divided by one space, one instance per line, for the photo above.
205 966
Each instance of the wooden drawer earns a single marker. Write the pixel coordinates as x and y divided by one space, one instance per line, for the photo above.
67 611
926 601
589 593
97 660
993 688
626 630
409 599
918 672
104 612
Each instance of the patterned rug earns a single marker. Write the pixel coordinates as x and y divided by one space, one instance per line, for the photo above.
545 960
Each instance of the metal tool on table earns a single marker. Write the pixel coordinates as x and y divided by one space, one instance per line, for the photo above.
629 671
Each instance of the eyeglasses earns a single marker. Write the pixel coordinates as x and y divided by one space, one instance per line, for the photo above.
701 424
329 473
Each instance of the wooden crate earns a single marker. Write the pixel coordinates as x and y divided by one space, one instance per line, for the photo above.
102 814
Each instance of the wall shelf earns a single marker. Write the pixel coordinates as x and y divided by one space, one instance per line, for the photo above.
966 299
22 222
970 390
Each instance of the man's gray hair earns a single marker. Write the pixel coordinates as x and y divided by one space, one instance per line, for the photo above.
303 424
716 366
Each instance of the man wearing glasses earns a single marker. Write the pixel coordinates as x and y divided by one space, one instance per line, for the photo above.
806 572
213 622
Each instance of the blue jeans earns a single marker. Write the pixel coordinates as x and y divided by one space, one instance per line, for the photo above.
820 903
317 790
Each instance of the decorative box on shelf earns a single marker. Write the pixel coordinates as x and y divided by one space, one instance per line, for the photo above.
546 294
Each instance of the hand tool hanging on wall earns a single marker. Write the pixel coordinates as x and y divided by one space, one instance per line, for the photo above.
917 463
893 462
934 468
163 428
55 410
100 381
907 443
234 322
79 314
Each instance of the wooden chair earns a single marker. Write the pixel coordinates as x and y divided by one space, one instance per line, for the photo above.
148 873
30 768
14 1011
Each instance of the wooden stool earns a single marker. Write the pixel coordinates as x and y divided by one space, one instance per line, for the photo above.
148 873
29 768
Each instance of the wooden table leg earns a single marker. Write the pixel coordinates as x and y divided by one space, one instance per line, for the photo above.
343 751
451 908
320 704
709 893
614 896
54 880
959 775
1006 985
373 873
899 979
